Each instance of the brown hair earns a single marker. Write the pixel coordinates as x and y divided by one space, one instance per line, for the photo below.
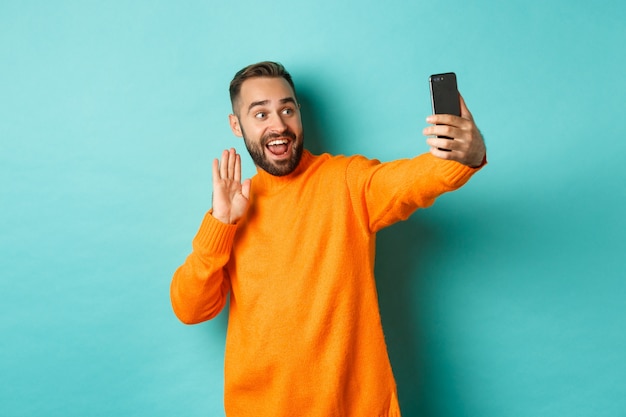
261 69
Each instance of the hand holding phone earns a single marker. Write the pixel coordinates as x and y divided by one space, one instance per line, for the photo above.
469 146
444 96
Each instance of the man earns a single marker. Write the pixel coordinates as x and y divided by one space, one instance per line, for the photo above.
293 247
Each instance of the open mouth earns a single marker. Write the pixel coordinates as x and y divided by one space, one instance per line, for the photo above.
278 147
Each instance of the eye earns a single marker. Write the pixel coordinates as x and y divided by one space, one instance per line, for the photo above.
260 115
288 111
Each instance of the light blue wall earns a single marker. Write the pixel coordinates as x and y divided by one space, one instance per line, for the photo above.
507 298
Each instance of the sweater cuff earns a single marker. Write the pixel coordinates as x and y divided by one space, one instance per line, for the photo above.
457 173
214 237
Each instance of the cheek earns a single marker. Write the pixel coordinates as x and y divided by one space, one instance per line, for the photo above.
296 125
253 134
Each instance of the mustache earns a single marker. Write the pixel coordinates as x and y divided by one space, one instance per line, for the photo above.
287 133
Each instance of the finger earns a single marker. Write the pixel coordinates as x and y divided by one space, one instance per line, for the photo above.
465 113
440 153
449 154
237 175
232 159
442 143
216 170
445 119
245 188
224 165
443 130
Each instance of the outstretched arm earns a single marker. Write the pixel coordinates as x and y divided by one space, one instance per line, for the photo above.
467 147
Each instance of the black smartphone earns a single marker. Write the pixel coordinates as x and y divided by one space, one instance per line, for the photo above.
444 96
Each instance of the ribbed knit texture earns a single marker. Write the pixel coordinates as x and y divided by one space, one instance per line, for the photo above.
304 333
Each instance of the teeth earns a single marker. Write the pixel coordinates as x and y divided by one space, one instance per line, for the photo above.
277 142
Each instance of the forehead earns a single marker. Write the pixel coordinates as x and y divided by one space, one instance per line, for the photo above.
265 89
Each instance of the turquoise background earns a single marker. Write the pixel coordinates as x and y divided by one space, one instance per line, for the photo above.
506 298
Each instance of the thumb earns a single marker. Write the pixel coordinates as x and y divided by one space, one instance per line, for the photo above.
465 113
245 188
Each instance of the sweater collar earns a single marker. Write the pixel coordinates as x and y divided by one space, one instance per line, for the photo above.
263 182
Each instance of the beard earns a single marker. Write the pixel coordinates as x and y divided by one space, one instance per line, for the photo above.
276 168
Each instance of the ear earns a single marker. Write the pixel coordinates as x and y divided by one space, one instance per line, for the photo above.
234 125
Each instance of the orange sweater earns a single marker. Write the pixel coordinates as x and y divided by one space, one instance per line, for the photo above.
304 332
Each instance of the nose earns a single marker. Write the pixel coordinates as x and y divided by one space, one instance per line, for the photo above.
278 123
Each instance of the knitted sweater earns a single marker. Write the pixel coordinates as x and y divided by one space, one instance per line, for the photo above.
304 332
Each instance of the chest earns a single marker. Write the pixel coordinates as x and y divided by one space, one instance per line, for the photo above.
295 239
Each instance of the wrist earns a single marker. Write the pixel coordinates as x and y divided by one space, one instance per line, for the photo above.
481 164
222 218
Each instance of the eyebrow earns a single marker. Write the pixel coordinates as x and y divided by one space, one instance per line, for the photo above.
266 102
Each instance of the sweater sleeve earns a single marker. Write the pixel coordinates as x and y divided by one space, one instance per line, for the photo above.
385 193
200 285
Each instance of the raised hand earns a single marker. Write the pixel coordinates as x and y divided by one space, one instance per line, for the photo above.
468 146
230 195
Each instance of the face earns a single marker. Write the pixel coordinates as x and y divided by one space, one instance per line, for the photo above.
268 118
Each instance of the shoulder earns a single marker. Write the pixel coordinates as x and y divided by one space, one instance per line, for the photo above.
342 162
